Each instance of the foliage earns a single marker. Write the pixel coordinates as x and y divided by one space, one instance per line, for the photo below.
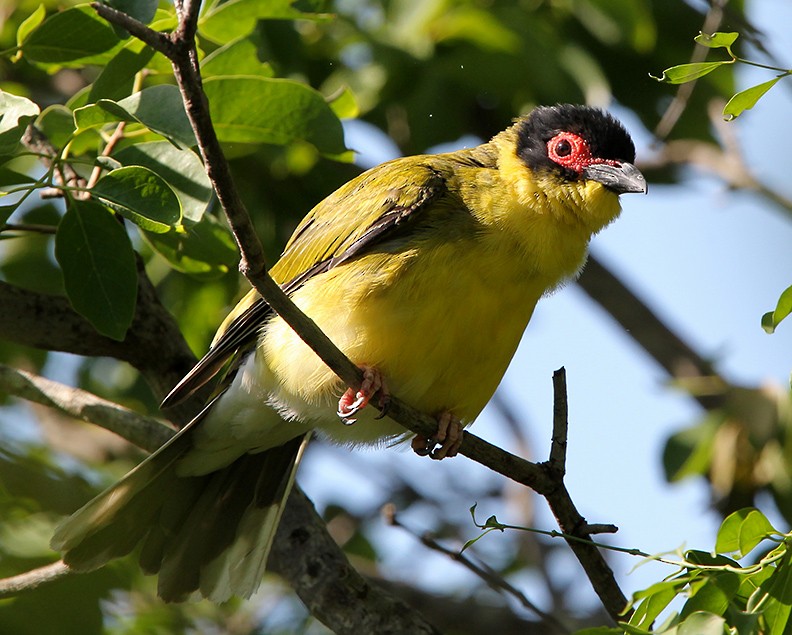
279 76
739 102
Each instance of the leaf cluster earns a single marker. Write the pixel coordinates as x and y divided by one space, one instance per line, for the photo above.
740 101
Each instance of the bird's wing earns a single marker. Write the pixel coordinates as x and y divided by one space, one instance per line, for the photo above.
365 212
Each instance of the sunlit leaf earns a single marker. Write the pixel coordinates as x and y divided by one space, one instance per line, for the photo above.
142 196
117 77
27 26
777 605
15 114
205 248
159 108
98 266
278 111
230 20
344 104
239 57
742 531
784 307
688 72
716 40
76 34
712 593
182 169
702 623
746 99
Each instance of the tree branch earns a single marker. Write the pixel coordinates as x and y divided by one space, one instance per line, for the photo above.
31 580
321 575
252 265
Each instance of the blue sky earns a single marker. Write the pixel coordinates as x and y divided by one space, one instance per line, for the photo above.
710 262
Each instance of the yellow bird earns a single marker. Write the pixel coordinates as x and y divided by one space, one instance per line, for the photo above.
425 271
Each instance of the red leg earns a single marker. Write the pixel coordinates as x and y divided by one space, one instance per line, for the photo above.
352 402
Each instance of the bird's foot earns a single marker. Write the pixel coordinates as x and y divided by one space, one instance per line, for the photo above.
352 401
448 437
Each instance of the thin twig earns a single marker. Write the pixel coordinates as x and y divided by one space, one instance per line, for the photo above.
117 135
486 573
558 445
32 228
675 109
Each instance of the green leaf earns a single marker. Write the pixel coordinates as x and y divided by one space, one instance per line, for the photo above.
778 588
279 111
182 169
716 40
654 601
98 266
142 196
784 307
76 34
15 114
236 18
6 211
746 99
10 176
344 104
689 451
142 10
159 108
702 623
688 72
205 248
742 531
27 26
600 630
240 57
712 593
118 76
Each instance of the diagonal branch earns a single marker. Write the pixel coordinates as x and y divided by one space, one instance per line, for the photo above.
321 576
252 265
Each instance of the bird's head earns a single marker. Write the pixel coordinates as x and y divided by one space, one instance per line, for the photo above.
576 159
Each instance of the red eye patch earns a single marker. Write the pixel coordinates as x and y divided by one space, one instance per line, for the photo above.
572 151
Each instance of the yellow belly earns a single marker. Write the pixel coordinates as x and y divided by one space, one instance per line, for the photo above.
441 324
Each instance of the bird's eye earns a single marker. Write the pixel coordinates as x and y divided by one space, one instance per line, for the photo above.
569 151
563 148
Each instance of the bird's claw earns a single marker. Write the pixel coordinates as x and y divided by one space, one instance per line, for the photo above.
352 401
449 437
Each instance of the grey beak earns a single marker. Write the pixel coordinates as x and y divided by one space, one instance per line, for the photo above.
622 178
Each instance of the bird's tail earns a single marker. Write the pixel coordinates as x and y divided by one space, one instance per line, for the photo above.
209 533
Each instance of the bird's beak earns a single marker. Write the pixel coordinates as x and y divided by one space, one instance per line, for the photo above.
622 178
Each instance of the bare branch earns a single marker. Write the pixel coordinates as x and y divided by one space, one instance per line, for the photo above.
558 444
31 580
145 432
156 40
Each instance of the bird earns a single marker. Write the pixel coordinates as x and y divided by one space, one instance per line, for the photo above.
425 272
